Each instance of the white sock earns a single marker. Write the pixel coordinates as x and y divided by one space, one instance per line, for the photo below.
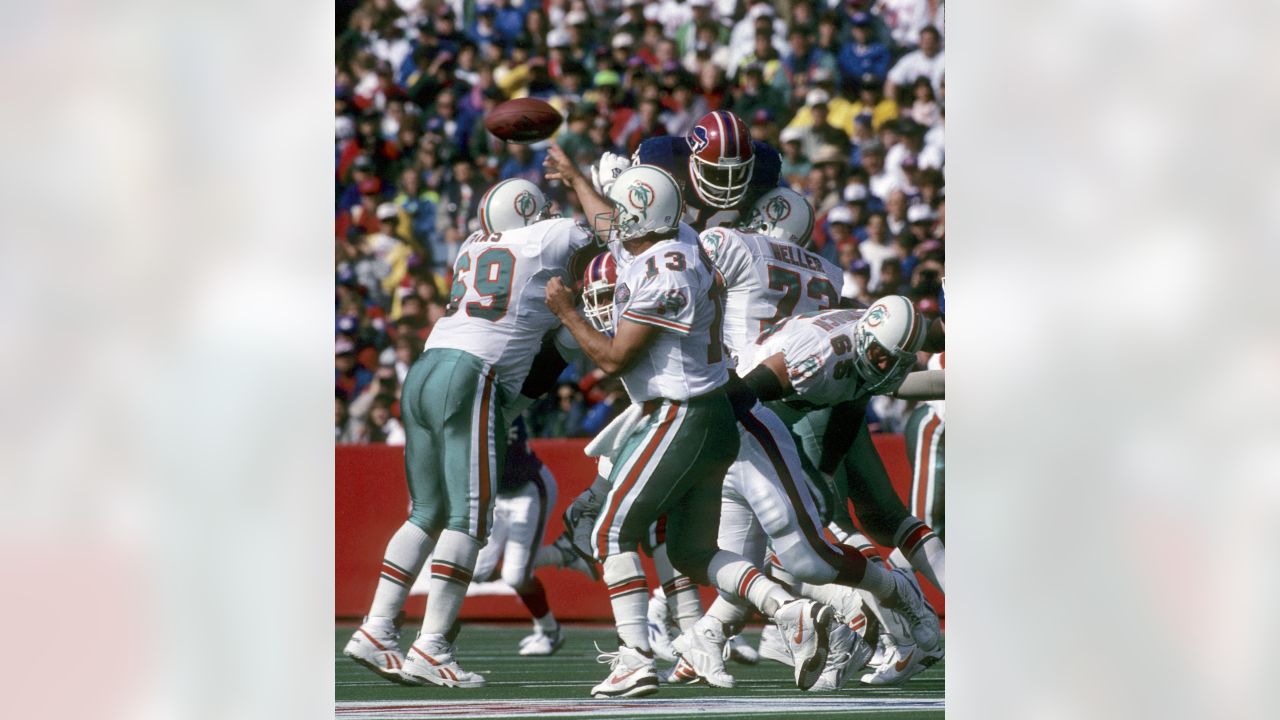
629 596
844 600
730 614
451 569
878 581
923 549
680 593
737 578
406 551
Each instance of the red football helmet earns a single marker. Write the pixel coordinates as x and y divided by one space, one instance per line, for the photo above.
597 291
721 163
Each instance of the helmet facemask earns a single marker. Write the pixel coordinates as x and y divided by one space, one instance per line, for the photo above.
882 368
597 305
721 185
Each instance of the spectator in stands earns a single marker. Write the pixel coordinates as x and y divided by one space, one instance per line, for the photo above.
349 378
560 415
877 248
861 54
795 164
872 104
925 62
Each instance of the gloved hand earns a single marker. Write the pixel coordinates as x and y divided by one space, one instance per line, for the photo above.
607 169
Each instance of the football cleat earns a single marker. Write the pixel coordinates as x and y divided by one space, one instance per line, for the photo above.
377 648
741 651
572 560
848 653
660 630
806 628
682 674
772 646
705 647
631 674
542 643
430 661
901 662
910 602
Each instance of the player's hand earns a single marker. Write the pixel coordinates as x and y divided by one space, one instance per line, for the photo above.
558 166
559 298
607 169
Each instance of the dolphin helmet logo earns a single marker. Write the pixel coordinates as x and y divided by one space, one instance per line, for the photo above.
641 197
877 314
525 205
777 209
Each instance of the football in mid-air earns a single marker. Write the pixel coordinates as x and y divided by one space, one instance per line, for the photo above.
524 120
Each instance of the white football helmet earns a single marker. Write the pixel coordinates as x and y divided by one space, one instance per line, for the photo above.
885 341
646 199
598 283
512 204
783 214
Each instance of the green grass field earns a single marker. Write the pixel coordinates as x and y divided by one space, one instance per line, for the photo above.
559 686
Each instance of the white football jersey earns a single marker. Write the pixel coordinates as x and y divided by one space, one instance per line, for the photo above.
818 351
672 287
938 361
768 280
497 306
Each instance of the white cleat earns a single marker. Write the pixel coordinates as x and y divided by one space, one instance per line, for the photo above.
741 651
806 626
848 653
682 674
542 643
378 649
910 602
704 647
660 635
901 663
631 674
430 662
772 646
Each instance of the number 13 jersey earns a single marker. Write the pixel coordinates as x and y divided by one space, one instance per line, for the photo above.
768 281
672 287
497 305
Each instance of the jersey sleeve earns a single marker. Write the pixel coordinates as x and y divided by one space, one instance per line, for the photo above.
663 300
563 240
728 252
835 275
810 362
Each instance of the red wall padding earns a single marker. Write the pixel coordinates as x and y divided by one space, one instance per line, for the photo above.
372 502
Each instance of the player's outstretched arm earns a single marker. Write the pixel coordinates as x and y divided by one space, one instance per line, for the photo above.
612 355
923 385
769 379
560 167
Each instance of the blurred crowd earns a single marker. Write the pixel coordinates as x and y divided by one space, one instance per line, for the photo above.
851 93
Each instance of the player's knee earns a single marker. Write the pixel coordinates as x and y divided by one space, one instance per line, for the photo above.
806 565
428 517
515 576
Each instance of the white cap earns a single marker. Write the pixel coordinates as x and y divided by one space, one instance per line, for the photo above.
387 210
342 346
920 212
791 133
856 192
622 40
840 214
759 10
575 17
815 96
344 127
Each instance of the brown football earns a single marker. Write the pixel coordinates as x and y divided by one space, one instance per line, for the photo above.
524 120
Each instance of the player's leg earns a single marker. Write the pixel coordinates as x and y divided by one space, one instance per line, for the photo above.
925 438
882 514
528 524
376 644
707 448
473 450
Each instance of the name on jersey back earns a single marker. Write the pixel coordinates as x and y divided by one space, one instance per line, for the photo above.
795 256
